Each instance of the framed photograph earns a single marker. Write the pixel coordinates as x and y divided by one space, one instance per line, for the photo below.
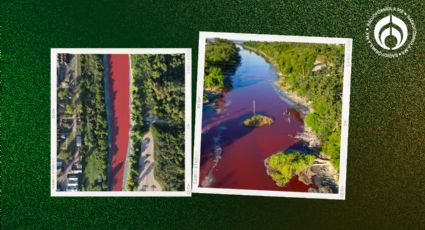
120 122
272 115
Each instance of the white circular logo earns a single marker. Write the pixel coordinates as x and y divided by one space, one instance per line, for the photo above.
390 32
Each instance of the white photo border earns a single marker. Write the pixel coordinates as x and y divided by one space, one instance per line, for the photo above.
188 119
347 42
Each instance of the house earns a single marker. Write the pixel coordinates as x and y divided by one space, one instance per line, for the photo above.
72 183
72 180
72 176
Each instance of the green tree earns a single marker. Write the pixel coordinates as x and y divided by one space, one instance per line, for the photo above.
214 79
283 166
94 127
220 56
69 110
62 94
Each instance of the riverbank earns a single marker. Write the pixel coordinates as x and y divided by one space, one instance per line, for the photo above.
321 172
305 106
210 96
127 164
220 58
301 104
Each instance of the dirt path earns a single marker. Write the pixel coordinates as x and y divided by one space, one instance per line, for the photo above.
147 180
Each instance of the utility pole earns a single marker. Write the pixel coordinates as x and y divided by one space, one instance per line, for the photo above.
253 106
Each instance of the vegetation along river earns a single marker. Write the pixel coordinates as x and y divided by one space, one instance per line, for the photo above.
232 155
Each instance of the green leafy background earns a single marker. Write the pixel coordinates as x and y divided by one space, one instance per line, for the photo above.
386 153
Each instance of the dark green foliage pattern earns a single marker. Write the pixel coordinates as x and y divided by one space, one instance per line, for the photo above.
169 156
220 55
158 97
162 77
94 123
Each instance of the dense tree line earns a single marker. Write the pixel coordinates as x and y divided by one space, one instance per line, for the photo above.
323 86
158 97
169 156
159 80
94 123
221 56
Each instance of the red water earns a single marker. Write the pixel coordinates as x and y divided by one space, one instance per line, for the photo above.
119 97
240 165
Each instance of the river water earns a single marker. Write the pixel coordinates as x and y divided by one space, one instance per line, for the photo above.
232 155
119 92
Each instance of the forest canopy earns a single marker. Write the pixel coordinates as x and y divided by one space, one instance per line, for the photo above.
221 56
94 123
158 94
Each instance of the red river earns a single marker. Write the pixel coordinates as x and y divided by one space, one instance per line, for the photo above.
232 155
119 91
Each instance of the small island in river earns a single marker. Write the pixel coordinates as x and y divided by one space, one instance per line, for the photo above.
257 120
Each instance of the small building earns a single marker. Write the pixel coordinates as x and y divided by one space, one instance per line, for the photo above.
78 141
72 183
72 180
59 165
72 176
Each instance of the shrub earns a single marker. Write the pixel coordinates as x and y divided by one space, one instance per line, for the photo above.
214 79
283 166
